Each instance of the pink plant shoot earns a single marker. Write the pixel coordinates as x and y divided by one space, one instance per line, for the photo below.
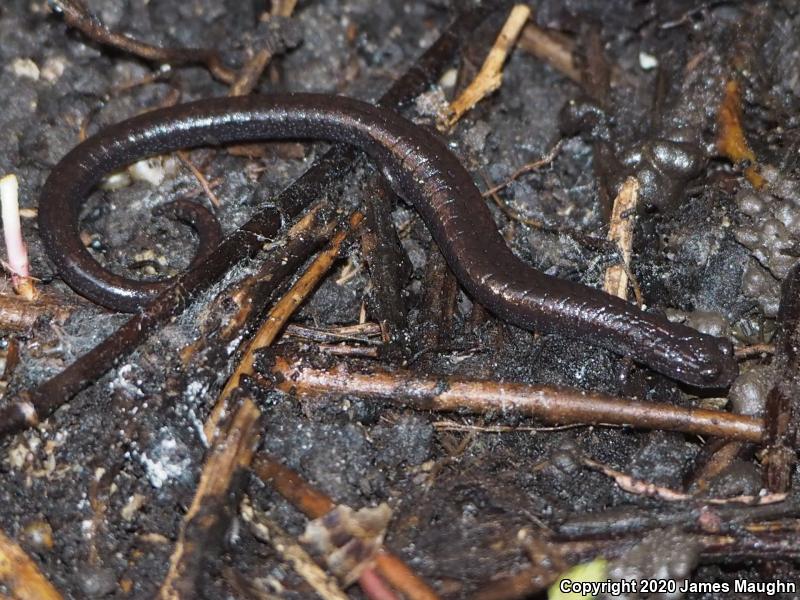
16 251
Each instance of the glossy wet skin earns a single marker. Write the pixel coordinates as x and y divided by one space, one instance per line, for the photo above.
422 170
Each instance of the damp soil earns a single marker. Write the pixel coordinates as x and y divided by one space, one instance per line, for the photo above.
112 473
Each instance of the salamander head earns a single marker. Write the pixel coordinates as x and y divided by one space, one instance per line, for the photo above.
702 361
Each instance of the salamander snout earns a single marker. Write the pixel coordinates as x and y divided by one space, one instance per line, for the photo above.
714 362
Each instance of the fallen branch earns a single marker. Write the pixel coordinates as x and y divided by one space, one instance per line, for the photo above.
208 516
20 575
551 404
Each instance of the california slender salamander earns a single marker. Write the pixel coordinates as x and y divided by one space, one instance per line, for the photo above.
421 169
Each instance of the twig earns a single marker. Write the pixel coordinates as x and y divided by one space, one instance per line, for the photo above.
18 314
754 350
527 168
620 232
345 350
280 314
362 332
314 504
731 141
77 15
20 575
490 77
645 488
283 8
557 405
713 460
206 520
201 179
448 425
250 73
551 47
17 252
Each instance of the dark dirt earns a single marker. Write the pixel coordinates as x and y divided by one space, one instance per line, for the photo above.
458 499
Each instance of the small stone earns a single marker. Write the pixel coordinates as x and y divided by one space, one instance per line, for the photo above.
647 61
25 67
53 68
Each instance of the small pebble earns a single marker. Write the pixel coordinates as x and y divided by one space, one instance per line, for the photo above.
25 67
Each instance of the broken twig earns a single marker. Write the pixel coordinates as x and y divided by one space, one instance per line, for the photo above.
206 520
620 232
490 76
20 575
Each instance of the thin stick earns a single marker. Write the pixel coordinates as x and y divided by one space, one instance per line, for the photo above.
77 15
280 314
551 404
20 575
551 47
250 73
490 77
527 168
205 520
620 231
731 141
201 179
645 488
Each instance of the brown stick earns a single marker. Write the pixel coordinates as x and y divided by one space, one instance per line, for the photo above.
552 48
18 314
250 73
20 575
208 515
731 141
314 504
557 405
76 15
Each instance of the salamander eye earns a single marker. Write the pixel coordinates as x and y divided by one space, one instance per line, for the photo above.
711 372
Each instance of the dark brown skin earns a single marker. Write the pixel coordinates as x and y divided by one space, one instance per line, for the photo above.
421 169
